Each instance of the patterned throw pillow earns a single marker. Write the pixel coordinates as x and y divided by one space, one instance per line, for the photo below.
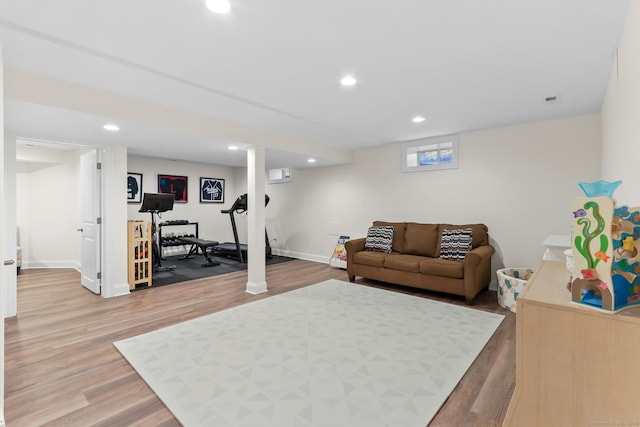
455 244
379 239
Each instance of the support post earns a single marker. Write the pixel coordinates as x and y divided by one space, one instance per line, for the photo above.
256 267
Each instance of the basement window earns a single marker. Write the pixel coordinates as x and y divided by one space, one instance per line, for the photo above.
430 154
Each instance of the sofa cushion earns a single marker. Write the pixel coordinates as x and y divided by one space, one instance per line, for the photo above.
403 262
421 239
480 233
455 244
398 234
442 268
379 239
372 259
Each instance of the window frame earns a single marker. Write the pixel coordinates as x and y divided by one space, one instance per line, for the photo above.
426 145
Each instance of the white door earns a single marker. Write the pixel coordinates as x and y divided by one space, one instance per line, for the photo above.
9 227
90 195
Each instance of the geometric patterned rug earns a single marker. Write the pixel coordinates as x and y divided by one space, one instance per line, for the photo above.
334 354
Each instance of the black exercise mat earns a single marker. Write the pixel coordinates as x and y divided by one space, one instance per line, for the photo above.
191 268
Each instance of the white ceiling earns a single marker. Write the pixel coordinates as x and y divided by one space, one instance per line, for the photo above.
268 72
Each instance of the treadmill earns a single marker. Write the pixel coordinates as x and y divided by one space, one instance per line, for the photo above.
236 249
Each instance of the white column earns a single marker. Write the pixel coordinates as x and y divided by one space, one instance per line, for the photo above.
114 221
256 282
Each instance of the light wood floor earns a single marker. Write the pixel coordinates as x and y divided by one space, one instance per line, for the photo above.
61 368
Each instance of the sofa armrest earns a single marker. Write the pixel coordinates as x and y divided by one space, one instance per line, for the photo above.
353 246
476 254
477 270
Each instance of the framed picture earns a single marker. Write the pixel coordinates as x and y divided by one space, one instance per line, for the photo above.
174 184
134 187
211 190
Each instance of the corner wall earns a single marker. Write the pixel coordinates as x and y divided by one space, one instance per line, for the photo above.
620 113
518 180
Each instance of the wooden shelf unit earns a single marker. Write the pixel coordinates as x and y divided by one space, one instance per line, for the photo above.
575 366
140 252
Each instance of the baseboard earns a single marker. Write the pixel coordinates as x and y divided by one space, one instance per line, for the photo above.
301 255
51 264
119 290
255 288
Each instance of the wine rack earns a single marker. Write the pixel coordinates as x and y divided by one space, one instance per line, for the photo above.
140 250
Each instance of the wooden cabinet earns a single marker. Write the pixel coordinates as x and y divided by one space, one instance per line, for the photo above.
139 249
574 366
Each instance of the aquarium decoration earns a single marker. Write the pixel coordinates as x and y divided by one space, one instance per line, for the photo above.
606 239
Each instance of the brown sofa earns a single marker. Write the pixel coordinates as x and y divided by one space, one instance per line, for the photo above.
415 260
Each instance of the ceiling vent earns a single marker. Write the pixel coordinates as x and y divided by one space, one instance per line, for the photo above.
552 99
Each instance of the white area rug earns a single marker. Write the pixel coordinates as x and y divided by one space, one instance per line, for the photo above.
334 354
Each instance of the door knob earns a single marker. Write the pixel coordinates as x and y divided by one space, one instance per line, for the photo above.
9 262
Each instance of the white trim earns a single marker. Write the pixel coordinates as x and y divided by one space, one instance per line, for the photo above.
300 255
254 288
51 264
119 290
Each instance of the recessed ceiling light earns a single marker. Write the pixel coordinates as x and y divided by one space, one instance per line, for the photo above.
218 6
348 81
418 119
232 147
111 127
311 160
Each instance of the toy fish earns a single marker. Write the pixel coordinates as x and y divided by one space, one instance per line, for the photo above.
602 256
579 213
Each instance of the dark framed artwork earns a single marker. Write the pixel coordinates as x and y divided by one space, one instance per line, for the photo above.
211 190
134 187
174 184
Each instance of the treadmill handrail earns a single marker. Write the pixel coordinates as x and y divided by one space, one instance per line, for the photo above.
241 205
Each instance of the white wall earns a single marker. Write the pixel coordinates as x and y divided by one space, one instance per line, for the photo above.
48 209
519 180
48 203
213 225
621 113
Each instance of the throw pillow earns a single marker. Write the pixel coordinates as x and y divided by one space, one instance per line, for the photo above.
455 244
379 239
